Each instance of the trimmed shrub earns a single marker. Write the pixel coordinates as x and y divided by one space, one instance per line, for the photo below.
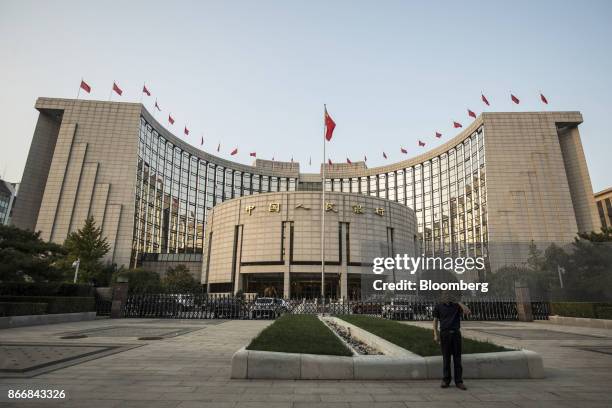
57 304
591 310
22 308
45 289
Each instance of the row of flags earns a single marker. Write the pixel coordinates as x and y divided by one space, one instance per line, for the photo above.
329 123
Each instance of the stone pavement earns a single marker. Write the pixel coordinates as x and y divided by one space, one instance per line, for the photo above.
192 370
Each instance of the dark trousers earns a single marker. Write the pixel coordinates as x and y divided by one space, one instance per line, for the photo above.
450 342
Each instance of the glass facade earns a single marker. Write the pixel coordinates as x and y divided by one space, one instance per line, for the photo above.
448 193
176 189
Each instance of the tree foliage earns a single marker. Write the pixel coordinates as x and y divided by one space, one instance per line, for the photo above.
89 246
140 280
24 256
179 280
585 268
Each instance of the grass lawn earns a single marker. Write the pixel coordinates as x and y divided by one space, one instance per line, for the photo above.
415 339
299 334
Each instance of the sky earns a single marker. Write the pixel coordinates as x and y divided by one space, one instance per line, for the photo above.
255 74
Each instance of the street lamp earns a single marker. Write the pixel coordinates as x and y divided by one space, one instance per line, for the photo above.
75 265
561 271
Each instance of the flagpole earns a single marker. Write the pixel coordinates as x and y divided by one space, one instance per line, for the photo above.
142 91
79 91
323 214
110 95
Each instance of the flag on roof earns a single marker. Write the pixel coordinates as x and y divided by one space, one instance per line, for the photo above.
117 89
85 86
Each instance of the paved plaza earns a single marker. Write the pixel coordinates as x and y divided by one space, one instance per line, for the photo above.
186 363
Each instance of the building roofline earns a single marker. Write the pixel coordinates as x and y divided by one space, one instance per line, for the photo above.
603 192
336 170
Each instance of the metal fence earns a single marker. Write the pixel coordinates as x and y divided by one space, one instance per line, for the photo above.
103 306
203 306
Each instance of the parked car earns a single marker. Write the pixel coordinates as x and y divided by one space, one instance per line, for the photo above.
227 308
267 307
371 306
398 309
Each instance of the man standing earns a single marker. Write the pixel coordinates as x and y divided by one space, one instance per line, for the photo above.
448 314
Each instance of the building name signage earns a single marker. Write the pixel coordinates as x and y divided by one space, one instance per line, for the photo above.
329 207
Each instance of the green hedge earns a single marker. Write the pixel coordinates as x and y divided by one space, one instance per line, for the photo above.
45 289
57 304
592 310
22 308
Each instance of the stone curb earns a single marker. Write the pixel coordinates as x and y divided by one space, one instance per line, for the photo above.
35 320
580 322
256 364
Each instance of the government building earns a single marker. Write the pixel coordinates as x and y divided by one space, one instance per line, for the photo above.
506 180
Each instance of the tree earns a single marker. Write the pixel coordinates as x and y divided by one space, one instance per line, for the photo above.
140 280
26 257
89 245
180 280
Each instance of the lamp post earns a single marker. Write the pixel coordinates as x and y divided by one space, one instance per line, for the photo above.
561 271
76 265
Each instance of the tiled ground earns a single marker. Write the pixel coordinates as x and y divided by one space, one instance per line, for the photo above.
192 370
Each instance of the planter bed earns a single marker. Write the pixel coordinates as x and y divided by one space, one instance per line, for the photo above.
416 339
295 354
299 334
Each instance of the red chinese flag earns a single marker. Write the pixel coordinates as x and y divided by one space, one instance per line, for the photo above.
157 106
403 150
384 155
117 89
421 143
485 100
171 120
234 152
186 131
145 90
85 86
543 99
472 114
438 135
329 162
253 154
348 161
457 125
515 99
330 125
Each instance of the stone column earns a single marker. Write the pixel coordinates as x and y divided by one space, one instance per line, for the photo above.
344 265
523 302
120 293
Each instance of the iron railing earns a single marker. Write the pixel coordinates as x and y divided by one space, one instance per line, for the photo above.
103 306
203 306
